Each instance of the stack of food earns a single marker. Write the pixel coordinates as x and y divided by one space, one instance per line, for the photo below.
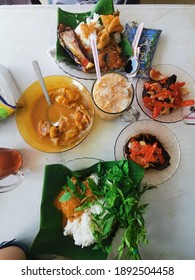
107 29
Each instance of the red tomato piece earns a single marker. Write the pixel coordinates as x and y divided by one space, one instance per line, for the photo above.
157 108
148 103
189 102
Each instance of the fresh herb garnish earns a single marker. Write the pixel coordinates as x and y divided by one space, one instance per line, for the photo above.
77 189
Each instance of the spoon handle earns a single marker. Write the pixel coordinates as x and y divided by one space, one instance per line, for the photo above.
137 38
37 69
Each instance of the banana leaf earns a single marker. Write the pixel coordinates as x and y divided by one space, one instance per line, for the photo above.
103 7
50 239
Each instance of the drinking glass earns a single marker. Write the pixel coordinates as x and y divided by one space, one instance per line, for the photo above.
10 164
113 96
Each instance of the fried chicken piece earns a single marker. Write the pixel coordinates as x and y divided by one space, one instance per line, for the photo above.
115 25
103 39
56 92
54 132
110 58
73 95
81 117
106 19
112 23
62 99
69 95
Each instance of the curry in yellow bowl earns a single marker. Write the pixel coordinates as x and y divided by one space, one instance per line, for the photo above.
74 124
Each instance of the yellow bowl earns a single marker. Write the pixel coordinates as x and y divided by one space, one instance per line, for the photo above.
34 108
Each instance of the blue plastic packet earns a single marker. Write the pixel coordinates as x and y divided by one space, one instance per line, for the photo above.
147 43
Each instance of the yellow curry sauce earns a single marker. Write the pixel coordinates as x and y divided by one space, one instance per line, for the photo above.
74 117
68 207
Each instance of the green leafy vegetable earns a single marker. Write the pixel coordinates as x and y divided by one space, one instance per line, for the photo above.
65 197
77 189
123 210
71 185
84 206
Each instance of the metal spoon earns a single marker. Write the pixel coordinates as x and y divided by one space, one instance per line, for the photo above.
37 69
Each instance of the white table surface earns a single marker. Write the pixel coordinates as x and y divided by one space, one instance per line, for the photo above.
26 33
